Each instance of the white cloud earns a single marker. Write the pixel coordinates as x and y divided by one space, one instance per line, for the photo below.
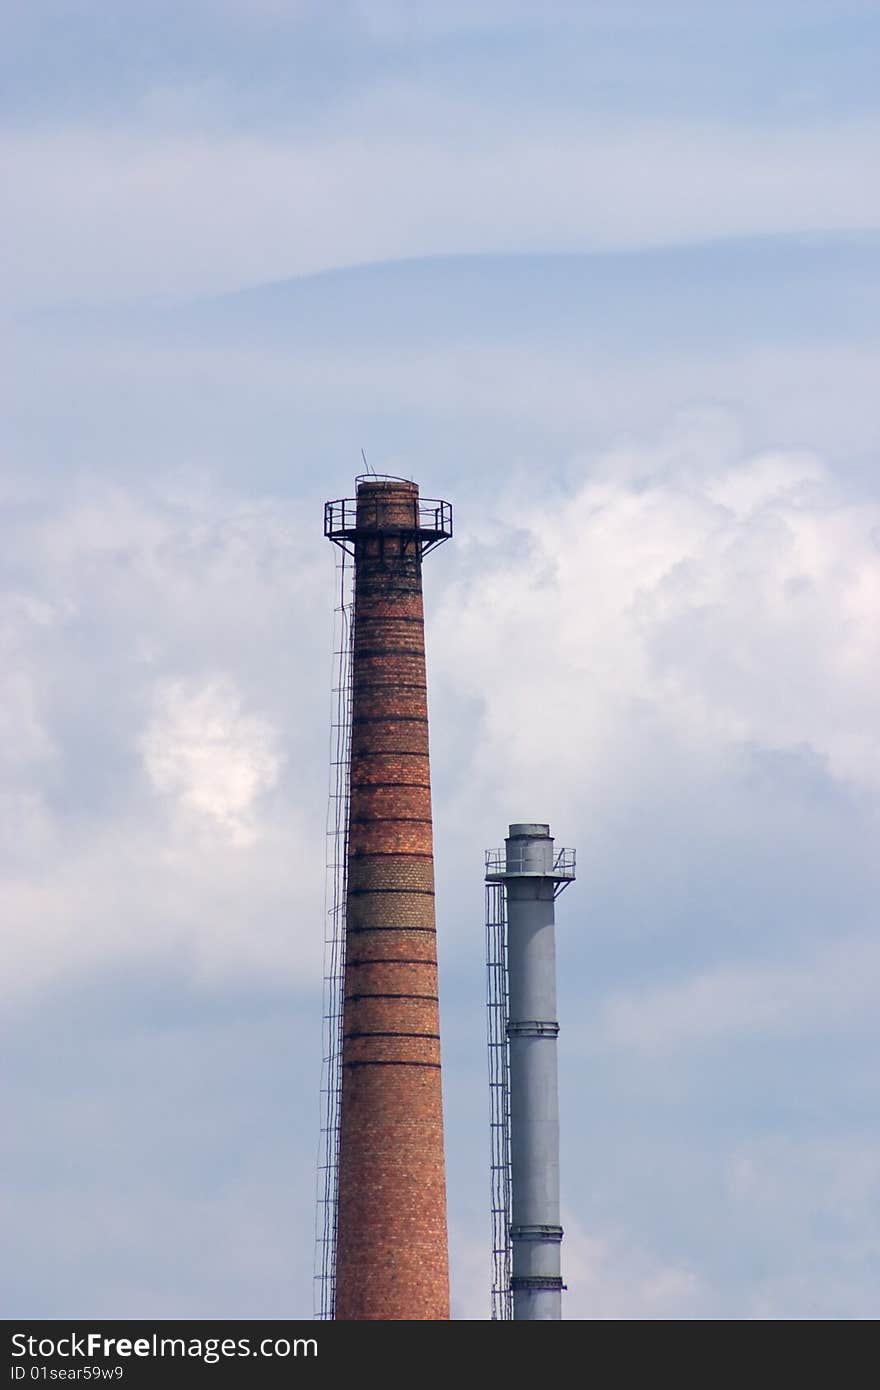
163 771
675 597
178 801
675 601
24 737
202 750
124 897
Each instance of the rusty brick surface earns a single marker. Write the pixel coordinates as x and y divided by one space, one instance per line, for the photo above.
388 872
391 1259
391 909
379 767
384 735
380 1049
371 943
392 975
392 1224
374 836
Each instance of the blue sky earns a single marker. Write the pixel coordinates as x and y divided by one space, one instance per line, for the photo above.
609 282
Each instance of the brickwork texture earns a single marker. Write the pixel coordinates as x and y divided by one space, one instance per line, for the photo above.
391 1255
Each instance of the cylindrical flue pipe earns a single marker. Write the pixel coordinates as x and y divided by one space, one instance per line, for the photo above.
532 876
391 1253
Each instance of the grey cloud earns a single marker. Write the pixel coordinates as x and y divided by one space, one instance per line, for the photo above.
179 1176
104 216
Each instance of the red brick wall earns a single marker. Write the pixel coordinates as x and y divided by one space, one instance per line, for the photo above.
391 1260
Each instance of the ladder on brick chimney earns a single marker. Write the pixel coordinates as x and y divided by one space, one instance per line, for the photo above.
335 886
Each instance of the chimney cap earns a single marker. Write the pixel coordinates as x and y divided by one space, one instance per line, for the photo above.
381 481
529 830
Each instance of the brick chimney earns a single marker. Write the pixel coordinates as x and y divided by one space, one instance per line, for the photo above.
391 1251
